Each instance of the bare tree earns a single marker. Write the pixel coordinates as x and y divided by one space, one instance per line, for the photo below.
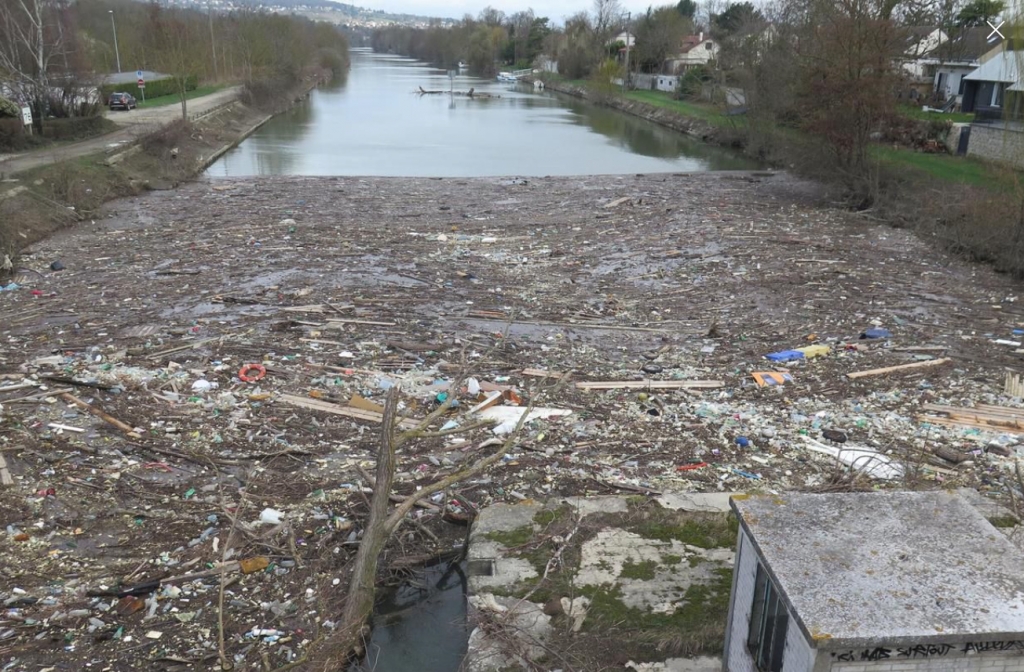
30 40
178 43
608 17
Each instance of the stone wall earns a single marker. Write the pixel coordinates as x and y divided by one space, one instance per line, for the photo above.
976 663
997 143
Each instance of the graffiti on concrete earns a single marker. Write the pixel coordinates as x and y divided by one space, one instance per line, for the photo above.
927 651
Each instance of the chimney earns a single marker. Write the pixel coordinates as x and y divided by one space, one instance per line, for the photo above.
701 37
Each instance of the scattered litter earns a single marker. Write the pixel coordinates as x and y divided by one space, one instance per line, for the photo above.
876 333
271 516
771 378
868 462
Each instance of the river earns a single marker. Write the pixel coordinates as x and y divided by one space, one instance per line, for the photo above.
374 123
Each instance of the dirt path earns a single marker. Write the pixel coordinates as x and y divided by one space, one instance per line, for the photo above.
135 124
344 287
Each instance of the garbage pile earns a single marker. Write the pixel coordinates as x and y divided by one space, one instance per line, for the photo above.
185 429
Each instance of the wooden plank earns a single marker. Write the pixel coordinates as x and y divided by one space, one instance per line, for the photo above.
328 407
950 422
996 412
921 348
188 346
902 367
19 386
491 400
102 415
541 373
331 322
650 384
5 475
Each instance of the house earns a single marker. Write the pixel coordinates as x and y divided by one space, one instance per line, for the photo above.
920 40
873 582
996 88
694 51
625 38
945 65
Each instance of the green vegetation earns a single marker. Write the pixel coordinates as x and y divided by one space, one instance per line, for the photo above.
944 167
155 89
686 108
512 538
919 114
703 531
697 627
1004 521
173 99
644 571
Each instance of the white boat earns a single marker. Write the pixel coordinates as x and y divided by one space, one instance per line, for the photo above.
507 77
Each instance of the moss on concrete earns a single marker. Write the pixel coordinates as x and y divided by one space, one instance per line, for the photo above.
512 538
643 571
697 627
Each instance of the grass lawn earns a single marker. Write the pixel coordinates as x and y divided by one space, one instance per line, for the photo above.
173 99
689 109
948 168
913 112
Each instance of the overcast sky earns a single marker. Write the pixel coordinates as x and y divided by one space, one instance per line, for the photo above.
553 9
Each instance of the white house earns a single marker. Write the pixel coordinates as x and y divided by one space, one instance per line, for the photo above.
873 582
694 51
627 39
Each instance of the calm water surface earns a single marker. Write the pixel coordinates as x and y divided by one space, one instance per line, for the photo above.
374 123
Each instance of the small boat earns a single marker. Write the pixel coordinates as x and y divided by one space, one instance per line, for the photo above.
507 77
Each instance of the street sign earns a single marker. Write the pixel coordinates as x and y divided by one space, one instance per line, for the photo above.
142 83
138 75
26 115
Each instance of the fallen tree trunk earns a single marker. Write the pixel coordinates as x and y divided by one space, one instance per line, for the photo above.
348 641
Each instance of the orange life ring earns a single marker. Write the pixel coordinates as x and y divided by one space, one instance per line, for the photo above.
243 373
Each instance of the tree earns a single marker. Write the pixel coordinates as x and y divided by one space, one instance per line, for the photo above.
659 33
735 16
607 18
979 12
31 39
178 45
687 8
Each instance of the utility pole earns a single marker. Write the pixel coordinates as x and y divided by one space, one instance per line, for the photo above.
113 26
213 45
625 77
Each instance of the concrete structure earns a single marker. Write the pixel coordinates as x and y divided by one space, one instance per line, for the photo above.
873 582
998 141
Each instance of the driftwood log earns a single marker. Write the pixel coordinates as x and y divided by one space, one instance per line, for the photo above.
348 641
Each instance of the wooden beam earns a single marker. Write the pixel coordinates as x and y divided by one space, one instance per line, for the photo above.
902 367
650 385
358 414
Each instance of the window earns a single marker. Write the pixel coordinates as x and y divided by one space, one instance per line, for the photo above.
768 623
963 85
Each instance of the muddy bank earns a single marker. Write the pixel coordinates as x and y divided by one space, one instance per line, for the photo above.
243 332
691 126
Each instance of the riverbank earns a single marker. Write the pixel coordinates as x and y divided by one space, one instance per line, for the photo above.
196 487
43 193
718 132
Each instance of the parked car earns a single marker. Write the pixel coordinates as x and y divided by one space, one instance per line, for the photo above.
122 101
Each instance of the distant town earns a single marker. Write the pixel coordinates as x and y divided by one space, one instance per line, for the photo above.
322 10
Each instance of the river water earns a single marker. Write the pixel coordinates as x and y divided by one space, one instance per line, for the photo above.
374 123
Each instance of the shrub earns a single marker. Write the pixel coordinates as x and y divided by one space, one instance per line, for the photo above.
154 89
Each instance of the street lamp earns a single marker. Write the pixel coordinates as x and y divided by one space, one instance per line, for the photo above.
113 27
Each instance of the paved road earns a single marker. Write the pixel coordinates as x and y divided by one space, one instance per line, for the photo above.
134 125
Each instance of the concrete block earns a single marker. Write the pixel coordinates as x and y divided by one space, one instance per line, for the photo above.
696 502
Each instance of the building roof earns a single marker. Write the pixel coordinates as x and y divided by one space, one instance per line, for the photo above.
691 41
1005 67
860 569
967 45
